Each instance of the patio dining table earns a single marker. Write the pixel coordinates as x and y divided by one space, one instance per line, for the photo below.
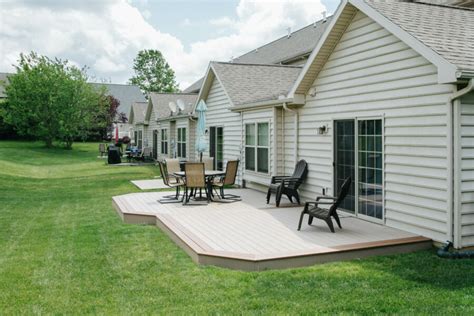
209 174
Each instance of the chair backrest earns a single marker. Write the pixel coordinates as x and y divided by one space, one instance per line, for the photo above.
194 175
102 148
164 172
346 186
300 172
146 152
208 163
173 165
231 172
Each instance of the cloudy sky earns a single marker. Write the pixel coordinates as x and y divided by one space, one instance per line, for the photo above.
106 35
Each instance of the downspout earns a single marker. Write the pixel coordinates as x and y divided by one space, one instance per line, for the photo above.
295 112
453 158
275 142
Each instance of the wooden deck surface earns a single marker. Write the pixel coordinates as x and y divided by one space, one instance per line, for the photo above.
249 233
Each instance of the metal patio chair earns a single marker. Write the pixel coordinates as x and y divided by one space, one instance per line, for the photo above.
194 178
228 179
314 210
171 182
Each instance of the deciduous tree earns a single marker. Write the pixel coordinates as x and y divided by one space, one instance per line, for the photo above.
153 73
49 99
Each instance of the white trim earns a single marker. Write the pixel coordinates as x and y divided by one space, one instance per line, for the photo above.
447 72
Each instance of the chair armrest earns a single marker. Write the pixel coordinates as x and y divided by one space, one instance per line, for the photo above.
326 197
276 179
317 203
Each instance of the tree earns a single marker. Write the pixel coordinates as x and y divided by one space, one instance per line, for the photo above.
153 73
51 100
105 122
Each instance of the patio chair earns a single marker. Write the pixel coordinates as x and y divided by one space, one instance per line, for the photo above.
102 149
313 209
208 163
288 185
194 178
228 179
173 166
171 182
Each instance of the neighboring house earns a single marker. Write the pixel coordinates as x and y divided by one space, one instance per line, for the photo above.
242 119
291 49
139 126
171 125
126 94
3 80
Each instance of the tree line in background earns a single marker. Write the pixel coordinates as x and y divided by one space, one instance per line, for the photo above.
51 100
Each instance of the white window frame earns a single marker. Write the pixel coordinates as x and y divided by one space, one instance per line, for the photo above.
257 146
181 142
164 141
140 139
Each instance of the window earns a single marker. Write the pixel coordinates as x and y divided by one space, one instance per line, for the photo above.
164 141
135 137
140 139
256 147
216 148
181 143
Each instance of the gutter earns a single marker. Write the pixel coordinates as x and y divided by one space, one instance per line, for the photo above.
454 176
260 104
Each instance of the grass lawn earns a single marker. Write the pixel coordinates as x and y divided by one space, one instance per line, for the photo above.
63 250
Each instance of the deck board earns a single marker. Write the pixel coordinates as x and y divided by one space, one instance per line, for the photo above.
253 231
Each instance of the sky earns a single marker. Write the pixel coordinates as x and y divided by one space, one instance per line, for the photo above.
106 35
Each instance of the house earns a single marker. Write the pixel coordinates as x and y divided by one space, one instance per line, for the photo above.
171 125
139 125
126 95
386 97
3 81
243 118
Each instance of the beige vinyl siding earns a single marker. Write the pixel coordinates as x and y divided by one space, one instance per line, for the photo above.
191 139
152 125
373 74
280 147
259 116
467 171
219 114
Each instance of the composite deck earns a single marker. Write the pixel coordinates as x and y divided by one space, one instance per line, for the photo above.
250 235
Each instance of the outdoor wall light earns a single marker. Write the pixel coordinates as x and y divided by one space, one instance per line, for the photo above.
312 92
322 130
206 132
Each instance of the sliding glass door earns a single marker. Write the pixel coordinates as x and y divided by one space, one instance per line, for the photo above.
370 168
358 146
345 160
216 146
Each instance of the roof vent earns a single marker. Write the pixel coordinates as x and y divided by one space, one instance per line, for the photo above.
289 32
324 13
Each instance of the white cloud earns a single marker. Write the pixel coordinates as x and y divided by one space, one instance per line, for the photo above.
186 22
108 36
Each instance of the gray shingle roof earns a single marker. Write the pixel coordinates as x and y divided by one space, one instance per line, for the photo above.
250 83
284 49
126 94
449 31
139 111
281 50
161 102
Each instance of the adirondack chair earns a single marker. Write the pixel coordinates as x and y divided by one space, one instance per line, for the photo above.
288 185
313 209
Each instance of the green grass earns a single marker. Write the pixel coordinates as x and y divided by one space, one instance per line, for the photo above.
63 250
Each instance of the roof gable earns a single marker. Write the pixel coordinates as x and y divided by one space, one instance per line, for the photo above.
342 19
138 112
159 104
246 84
